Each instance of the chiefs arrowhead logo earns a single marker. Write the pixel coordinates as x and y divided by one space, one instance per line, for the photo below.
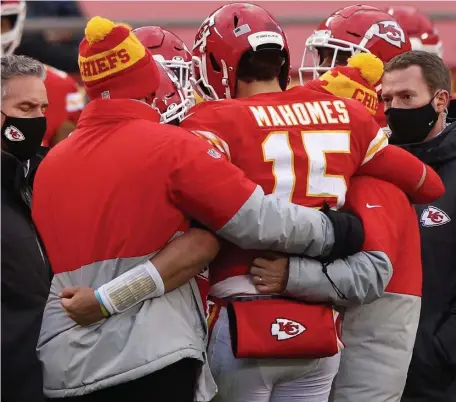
389 31
13 134
283 329
433 216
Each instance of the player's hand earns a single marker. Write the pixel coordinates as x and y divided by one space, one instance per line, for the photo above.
270 274
81 305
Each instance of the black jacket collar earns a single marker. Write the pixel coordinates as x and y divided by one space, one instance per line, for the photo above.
13 172
437 151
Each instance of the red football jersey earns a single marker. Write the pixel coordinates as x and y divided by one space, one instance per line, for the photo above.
66 101
302 145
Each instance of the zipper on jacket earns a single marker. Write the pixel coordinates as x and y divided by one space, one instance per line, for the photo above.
26 196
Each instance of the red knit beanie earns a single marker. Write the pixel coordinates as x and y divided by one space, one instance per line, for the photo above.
114 64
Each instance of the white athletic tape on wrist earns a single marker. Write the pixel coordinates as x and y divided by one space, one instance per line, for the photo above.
132 287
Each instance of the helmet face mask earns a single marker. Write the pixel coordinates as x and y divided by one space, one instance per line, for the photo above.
15 12
321 47
182 71
170 100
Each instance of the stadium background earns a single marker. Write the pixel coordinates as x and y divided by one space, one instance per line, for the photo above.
299 19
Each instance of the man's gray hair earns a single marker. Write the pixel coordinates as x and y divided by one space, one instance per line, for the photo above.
14 65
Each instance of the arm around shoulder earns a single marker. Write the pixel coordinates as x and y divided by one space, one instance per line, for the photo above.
358 279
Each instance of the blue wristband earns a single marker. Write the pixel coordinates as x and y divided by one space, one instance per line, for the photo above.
104 310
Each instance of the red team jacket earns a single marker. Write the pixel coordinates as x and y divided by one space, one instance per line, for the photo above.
66 101
142 161
305 146
382 351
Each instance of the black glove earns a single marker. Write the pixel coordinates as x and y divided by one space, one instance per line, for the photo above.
348 234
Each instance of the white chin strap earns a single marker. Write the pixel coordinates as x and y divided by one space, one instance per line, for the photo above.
225 80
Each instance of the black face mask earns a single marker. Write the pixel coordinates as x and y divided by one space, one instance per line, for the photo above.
410 126
23 136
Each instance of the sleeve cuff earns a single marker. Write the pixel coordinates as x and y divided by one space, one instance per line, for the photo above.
293 275
304 276
307 281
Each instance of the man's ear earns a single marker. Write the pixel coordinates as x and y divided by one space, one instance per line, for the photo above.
441 101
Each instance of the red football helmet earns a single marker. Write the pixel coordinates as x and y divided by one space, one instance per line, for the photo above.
170 100
171 51
420 29
351 30
15 12
223 38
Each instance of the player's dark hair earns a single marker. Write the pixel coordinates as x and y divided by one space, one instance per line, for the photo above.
435 73
261 65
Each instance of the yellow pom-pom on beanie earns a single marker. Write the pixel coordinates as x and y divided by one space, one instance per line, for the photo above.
369 65
97 29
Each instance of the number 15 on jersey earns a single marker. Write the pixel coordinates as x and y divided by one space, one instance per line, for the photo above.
317 144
